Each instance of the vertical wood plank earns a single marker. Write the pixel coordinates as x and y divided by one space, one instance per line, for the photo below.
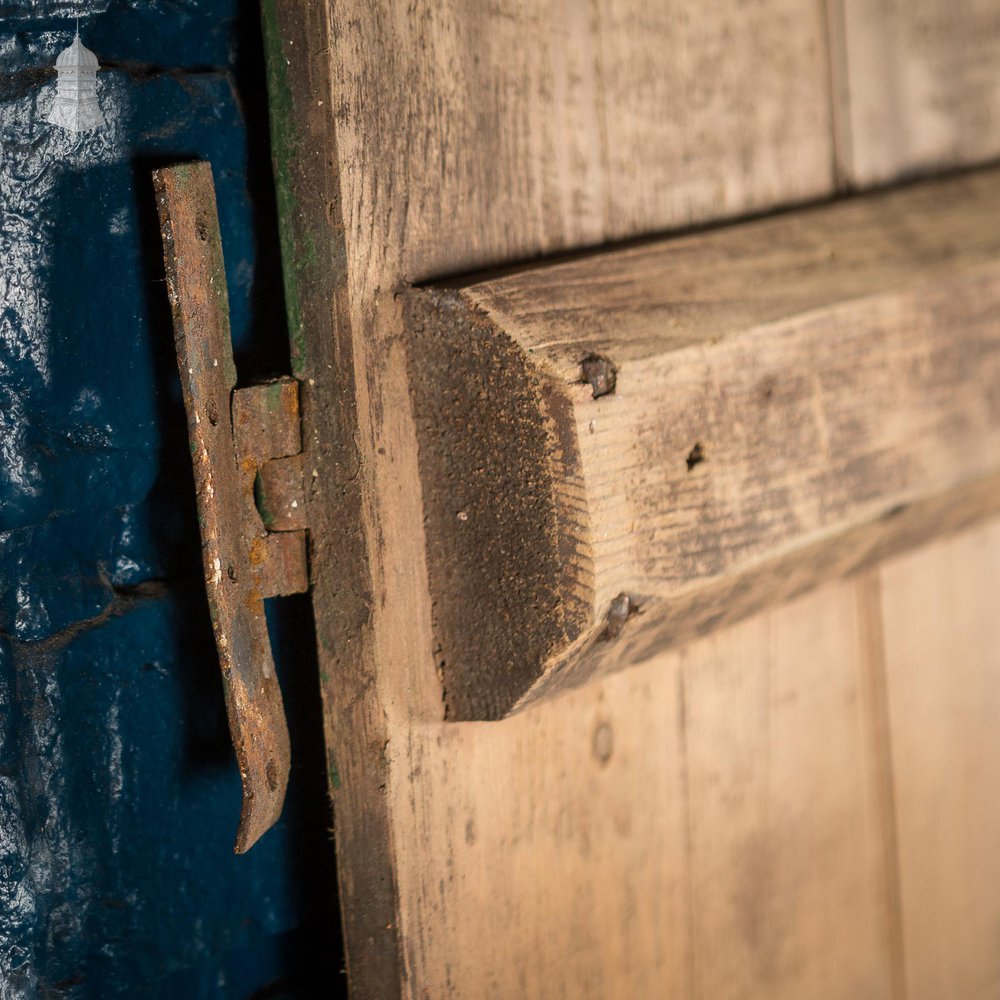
868 592
471 134
917 85
705 825
786 860
709 111
528 864
942 649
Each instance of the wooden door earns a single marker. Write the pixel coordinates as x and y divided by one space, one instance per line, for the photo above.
653 588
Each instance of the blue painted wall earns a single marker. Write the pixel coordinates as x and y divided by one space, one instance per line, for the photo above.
118 792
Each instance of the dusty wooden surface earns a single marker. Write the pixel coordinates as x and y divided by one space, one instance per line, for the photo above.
917 86
685 849
408 144
778 385
706 825
942 665
916 89
797 806
478 133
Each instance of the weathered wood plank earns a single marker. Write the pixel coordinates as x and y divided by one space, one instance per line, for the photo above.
942 669
917 86
412 141
705 825
298 39
790 385
473 133
784 828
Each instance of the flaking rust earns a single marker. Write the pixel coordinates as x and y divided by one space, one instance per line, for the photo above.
234 436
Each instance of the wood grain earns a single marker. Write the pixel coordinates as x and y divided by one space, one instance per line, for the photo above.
539 856
781 386
917 86
702 826
942 664
307 181
471 133
413 141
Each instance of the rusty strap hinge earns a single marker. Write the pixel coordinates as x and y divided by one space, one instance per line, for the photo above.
246 449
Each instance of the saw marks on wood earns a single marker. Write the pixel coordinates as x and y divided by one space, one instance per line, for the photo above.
802 391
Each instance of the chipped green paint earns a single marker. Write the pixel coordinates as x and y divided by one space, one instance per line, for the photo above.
332 773
310 256
260 499
284 146
275 396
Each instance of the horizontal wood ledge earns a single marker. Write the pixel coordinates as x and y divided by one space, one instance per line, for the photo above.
621 452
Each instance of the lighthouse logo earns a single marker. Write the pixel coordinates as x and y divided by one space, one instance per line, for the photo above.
76 108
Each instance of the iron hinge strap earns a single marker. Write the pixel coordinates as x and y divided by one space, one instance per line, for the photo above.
246 450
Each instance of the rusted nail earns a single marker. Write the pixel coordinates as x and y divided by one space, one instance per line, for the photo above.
600 374
622 608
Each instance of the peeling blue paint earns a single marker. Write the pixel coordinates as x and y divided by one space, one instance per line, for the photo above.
118 792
